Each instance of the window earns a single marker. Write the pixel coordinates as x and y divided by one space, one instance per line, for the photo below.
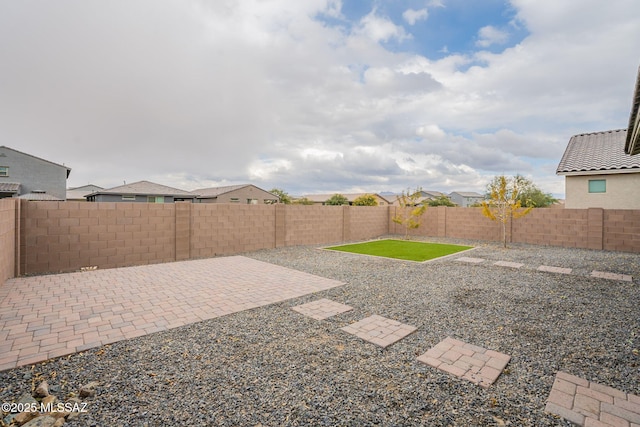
234 200
4 170
597 186
155 199
129 198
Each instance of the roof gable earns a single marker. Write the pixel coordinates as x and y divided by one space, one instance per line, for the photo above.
599 152
145 188
216 191
468 194
4 147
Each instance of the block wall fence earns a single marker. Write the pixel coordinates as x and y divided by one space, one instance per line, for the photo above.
50 237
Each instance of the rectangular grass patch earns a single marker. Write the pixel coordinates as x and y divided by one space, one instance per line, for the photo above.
402 249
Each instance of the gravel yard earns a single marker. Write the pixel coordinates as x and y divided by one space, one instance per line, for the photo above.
272 366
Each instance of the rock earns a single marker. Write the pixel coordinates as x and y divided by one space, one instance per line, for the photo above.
59 422
74 401
54 388
27 399
88 390
42 390
43 421
24 417
49 399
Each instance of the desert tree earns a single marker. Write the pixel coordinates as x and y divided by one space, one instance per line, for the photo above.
502 204
365 200
336 200
283 195
442 200
410 211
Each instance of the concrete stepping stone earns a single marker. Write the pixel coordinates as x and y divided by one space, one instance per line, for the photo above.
379 330
550 269
470 260
467 361
588 403
321 309
611 276
508 264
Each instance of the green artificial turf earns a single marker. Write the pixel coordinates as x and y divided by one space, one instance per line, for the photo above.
402 249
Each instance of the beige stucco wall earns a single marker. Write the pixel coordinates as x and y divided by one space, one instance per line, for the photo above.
623 192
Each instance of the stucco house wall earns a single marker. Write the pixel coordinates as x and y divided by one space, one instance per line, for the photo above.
622 191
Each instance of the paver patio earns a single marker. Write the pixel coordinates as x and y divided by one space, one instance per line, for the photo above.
590 404
467 361
321 309
379 330
43 317
552 269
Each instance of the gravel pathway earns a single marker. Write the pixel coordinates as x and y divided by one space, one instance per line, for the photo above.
272 366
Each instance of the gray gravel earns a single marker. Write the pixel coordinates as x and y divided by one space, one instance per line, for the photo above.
271 366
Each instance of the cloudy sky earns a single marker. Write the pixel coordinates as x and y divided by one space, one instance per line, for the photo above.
313 96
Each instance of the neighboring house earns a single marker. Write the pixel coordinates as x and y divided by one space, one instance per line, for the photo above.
39 196
79 194
22 173
599 173
464 199
425 196
431 195
141 191
632 142
243 193
320 199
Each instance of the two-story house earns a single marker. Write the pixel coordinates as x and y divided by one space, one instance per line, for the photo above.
22 174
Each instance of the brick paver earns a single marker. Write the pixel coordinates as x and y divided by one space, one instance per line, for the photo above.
589 404
379 330
468 361
470 260
551 269
611 276
43 317
321 309
508 264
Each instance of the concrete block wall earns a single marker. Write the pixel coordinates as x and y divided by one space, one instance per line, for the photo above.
368 222
553 227
621 230
225 229
66 236
8 232
429 223
469 223
305 225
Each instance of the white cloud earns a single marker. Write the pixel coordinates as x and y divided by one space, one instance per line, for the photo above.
489 36
195 93
380 29
412 16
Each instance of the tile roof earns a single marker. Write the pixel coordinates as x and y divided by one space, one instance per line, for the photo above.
9 187
145 188
601 152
